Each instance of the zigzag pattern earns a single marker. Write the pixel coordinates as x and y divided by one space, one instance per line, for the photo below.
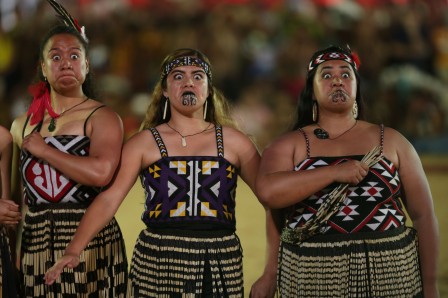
190 189
372 205
219 141
159 141
45 184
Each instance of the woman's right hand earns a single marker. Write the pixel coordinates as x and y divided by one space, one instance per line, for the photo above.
67 260
9 212
351 172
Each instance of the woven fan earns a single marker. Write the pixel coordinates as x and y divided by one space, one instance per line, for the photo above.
328 208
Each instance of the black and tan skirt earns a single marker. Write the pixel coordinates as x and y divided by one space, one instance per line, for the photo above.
8 272
102 271
179 265
377 264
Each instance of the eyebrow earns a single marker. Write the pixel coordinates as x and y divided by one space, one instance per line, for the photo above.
57 49
332 67
194 71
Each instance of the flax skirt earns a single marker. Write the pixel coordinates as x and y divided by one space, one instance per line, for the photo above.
185 266
102 271
8 274
378 264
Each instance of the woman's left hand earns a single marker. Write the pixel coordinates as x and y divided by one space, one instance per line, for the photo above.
264 287
67 260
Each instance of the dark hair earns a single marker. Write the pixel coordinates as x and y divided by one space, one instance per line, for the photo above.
88 85
304 113
218 110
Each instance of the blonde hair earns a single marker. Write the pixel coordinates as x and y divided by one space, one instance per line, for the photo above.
218 109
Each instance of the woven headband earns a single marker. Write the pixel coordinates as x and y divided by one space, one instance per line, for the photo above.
186 61
352 59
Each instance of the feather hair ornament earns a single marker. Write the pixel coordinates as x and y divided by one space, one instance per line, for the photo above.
68 20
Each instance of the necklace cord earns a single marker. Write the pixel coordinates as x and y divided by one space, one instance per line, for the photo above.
321 133
52 125
183 137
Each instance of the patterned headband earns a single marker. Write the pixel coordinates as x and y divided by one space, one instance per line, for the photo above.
352 59
186 61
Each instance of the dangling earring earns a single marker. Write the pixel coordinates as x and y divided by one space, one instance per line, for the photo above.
315 111
205 109
165 108
355 110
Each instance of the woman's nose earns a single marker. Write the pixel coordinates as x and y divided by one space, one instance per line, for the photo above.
66 64
189 81
337 81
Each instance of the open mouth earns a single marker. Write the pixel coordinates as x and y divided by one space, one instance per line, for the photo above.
189 99
339 95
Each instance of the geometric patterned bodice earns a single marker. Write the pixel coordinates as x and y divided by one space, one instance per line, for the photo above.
372 205
43 184
190 192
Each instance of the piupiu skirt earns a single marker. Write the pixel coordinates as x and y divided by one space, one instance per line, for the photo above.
8 272
186 264
377 264
103 267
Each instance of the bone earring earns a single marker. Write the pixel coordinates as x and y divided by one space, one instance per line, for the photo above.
165 108
205 109
355 110
315 111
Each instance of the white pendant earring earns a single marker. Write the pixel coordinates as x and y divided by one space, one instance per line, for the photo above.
165 108
205 109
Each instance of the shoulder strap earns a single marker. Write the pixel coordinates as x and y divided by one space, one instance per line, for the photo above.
88 117
37 127
308 150
159 141
219 140
382 138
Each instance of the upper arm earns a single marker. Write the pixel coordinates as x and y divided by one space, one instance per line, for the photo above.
413 179
242 152
279 156
5 162
249 160
128 170
106 137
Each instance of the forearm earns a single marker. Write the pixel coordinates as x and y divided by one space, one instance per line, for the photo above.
273 230
97 216
427 231
86 170
286 188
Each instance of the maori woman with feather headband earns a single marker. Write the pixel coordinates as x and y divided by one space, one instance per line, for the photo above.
188 156
70 146
344 184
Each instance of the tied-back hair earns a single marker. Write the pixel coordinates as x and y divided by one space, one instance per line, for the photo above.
304 112
88 85
218 109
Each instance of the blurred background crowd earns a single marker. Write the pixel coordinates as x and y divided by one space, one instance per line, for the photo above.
259 51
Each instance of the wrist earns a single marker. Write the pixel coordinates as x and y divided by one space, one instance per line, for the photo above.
69 251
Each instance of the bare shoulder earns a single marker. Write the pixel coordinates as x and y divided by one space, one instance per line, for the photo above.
100 110
144 143
4 133
103 119
17 127
397 146
234 134
288 141
5 137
